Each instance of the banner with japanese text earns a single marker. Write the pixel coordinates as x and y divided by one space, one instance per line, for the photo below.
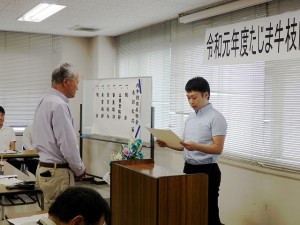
268 38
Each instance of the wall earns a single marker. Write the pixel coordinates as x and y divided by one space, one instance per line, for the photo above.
77 51
104 57
257 197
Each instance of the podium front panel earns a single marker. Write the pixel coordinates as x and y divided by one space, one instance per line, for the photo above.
145 194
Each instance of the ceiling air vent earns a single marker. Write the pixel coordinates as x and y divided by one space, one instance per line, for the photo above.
82 28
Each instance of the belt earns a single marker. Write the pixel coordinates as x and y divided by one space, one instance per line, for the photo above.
52 165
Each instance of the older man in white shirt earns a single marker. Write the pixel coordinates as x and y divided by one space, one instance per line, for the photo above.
54 136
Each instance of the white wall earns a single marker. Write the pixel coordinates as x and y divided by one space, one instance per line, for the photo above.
77 51
258 197
103 57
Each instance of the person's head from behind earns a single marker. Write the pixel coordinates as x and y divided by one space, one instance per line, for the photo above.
79 206
198 92
65 79
2 116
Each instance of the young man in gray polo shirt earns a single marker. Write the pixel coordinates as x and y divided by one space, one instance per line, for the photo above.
203 140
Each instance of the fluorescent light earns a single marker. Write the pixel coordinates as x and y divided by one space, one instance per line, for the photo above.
220 9
41 12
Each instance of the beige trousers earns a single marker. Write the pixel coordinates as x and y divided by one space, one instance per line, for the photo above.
58 181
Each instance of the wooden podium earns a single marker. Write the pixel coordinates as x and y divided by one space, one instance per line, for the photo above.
143 193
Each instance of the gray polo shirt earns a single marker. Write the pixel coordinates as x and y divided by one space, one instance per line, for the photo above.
201 126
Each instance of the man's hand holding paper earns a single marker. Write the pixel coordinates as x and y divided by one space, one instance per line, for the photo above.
190 146
166 138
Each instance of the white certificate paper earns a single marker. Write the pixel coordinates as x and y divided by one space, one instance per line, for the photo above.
167 136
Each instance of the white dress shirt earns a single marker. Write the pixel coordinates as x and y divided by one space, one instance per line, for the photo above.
54 136
27 138
7 135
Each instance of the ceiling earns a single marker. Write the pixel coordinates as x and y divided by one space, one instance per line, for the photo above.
111 17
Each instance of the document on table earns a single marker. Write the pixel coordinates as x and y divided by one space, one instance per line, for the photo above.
168 136
8 176
9 152
9 181
27 220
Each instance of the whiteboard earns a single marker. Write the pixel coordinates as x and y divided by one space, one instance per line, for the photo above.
117 107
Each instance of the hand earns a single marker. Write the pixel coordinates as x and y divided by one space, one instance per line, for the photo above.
80 177
190 146
161 143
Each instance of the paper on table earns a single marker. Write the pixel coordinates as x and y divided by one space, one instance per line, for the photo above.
168 136
8 176
27 220
9 181
9 152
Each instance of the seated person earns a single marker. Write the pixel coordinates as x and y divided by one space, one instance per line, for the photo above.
7 134
27 138
27 145
8 139
78 206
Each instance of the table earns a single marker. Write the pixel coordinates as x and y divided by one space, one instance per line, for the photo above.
14 215
24 154
4 192
25 217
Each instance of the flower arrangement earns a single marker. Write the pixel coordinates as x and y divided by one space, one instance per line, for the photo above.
132 150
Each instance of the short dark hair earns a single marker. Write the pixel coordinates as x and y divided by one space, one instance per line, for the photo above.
82 201
2 110
65 70
198 84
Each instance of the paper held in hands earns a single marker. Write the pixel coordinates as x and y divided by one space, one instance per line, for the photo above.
167 136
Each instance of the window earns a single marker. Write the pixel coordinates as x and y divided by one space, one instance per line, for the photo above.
260 100
147 53
26 62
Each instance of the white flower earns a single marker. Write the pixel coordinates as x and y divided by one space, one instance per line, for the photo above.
117 156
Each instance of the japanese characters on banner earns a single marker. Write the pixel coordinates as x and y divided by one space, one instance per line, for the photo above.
270 38
117 106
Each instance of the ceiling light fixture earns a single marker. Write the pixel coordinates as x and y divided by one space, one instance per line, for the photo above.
220 9
41 12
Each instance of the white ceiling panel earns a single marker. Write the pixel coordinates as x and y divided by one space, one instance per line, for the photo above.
111 17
